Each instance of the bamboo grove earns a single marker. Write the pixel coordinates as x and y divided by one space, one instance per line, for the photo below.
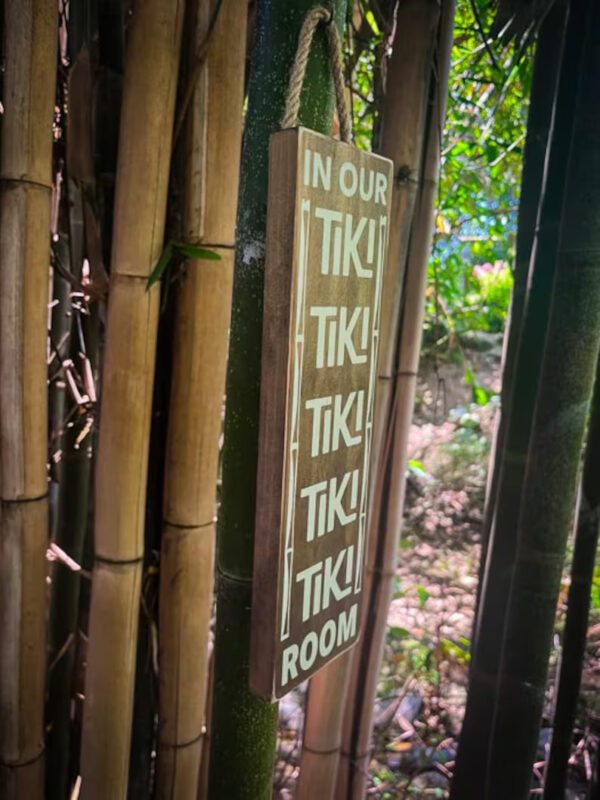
134 159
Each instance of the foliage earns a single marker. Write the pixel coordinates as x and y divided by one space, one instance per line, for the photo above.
596 589
363 106
470 278
469 275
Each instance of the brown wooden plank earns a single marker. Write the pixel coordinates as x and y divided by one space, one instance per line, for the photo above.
327 231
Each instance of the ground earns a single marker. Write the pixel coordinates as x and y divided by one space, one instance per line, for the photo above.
424 674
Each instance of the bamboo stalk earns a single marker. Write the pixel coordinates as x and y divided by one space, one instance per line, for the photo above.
144 732
578 610
205 754
403 124
594 791
59 336
142 175
539 125
386 525
29 56
402 132
72 520
72 497
243 723
93 126
469 772
322 734
550 486
199 360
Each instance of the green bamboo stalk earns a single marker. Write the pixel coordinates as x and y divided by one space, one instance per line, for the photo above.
244 724
578 609
550 487
469 772
539 123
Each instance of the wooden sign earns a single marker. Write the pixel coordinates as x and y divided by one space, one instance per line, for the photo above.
327 233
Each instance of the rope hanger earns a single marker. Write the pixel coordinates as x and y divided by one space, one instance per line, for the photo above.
316 16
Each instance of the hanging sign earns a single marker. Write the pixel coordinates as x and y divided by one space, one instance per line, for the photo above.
327 233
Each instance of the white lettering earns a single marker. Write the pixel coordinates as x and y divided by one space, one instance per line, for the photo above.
289 670
331 426
334 634
321 170
306 576
335 335
327 638
331 586
308 650
329 504
351 240
348 169
381 189
327 263
346 625
326 579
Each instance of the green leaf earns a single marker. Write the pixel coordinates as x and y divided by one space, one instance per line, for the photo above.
480 396
416 467
161 265
423 595
372 23
398 633
183 250
195 251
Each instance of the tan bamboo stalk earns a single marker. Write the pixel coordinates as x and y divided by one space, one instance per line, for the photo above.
402 131
403 124
322 736
213 147
29 52
150 81
205 754
387 522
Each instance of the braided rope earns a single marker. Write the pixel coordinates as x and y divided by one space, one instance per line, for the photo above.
336 61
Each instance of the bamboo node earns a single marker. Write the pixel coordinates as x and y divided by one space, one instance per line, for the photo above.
22 764
184 744
22 181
